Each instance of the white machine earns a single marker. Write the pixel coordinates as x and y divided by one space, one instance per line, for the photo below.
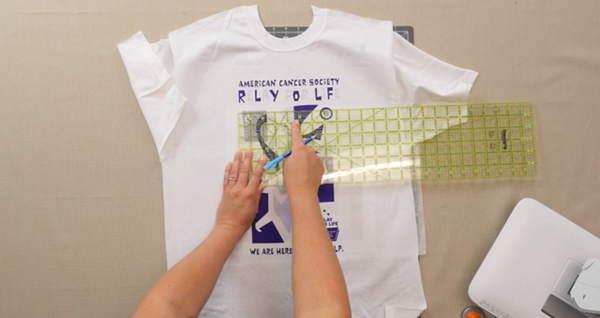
541 265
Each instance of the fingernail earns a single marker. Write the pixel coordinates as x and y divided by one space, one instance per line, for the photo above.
263 158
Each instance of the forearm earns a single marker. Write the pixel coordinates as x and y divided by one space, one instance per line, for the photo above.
318 283
185 288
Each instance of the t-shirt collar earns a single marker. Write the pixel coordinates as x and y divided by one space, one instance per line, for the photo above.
287 44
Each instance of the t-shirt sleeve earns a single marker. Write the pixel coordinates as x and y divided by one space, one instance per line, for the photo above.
425 80
149 67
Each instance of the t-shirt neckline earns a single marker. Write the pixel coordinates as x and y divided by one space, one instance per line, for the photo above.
289 44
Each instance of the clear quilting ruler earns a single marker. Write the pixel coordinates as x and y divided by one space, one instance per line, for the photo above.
391 144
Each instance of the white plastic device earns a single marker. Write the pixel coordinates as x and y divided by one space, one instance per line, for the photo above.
540 266
586 290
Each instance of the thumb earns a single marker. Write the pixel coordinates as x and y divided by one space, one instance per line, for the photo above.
296 136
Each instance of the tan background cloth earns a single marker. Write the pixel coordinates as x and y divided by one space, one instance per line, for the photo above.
81 218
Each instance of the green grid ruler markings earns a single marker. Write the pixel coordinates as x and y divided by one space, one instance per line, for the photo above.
440 142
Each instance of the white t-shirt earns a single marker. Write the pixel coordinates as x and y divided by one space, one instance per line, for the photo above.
191 87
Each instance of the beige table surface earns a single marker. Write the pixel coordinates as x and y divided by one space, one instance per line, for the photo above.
81 218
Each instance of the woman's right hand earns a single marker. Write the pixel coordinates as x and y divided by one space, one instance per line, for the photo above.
303 169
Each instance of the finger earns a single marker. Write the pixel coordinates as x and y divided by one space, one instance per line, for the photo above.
245 168
226 175
235 168
296 136
258 173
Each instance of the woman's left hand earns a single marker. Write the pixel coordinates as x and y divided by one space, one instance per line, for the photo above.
241 193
